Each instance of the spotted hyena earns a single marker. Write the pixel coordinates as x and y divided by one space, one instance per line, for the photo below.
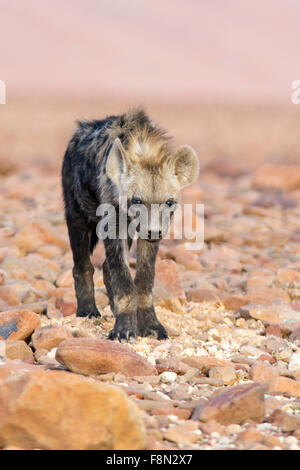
128 156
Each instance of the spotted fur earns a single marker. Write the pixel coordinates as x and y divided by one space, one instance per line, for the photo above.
126 155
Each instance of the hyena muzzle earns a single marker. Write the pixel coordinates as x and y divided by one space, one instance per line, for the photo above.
121 156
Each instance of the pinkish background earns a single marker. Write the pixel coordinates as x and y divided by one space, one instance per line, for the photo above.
170 49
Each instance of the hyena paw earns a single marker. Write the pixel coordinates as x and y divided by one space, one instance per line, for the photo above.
88 313
152 328
125 328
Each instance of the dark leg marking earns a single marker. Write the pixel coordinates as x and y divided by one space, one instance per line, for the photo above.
148 324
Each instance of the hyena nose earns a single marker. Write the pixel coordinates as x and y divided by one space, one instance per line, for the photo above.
154 235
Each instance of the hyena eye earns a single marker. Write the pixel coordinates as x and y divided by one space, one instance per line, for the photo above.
170 203
136 201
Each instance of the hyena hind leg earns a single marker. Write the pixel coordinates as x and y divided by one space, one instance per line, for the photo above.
83 269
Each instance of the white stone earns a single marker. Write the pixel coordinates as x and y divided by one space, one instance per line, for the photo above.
233 429
168 377
294 363
249 350
2 351
52 353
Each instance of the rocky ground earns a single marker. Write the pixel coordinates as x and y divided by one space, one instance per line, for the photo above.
229 375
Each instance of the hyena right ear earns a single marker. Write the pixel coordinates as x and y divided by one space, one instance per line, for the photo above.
186 165
117 162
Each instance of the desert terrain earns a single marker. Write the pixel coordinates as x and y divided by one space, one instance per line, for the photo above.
228 377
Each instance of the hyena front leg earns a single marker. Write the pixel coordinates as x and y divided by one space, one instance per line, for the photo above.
121 290
107 279
83 269
148 323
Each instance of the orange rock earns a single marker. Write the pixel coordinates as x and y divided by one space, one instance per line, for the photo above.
274 330
2 278
101 298
49 337
286 177
213 234
260 278
288 276
15 267
202 295
40 353
153 444
8 294
46 360
45 287
16 367
49 251
285 385
57 410
235 406
3 305
171 365
91 356
42 268
266 357
226 374
185 257
179 412
249 437
58 293
23 292
181 437
172 304
235 302
68 309
261 372
272 404
277 312
16 349
18 324
65 279
6 251
69 296
37 233
265 295
296 433
167 273
286 421
211 426
52 311
205 363
295 335
160 292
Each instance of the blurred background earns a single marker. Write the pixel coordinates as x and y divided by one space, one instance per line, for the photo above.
216 73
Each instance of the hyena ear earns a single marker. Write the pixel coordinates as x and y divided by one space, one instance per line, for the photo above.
186 165
117 161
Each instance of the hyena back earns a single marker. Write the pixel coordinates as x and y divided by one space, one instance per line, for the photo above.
127 156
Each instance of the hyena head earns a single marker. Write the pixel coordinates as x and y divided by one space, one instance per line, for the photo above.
150 177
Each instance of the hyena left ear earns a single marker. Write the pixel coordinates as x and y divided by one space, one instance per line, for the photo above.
117 162
186 165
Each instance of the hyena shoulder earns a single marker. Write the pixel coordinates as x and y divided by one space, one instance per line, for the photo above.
144 141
